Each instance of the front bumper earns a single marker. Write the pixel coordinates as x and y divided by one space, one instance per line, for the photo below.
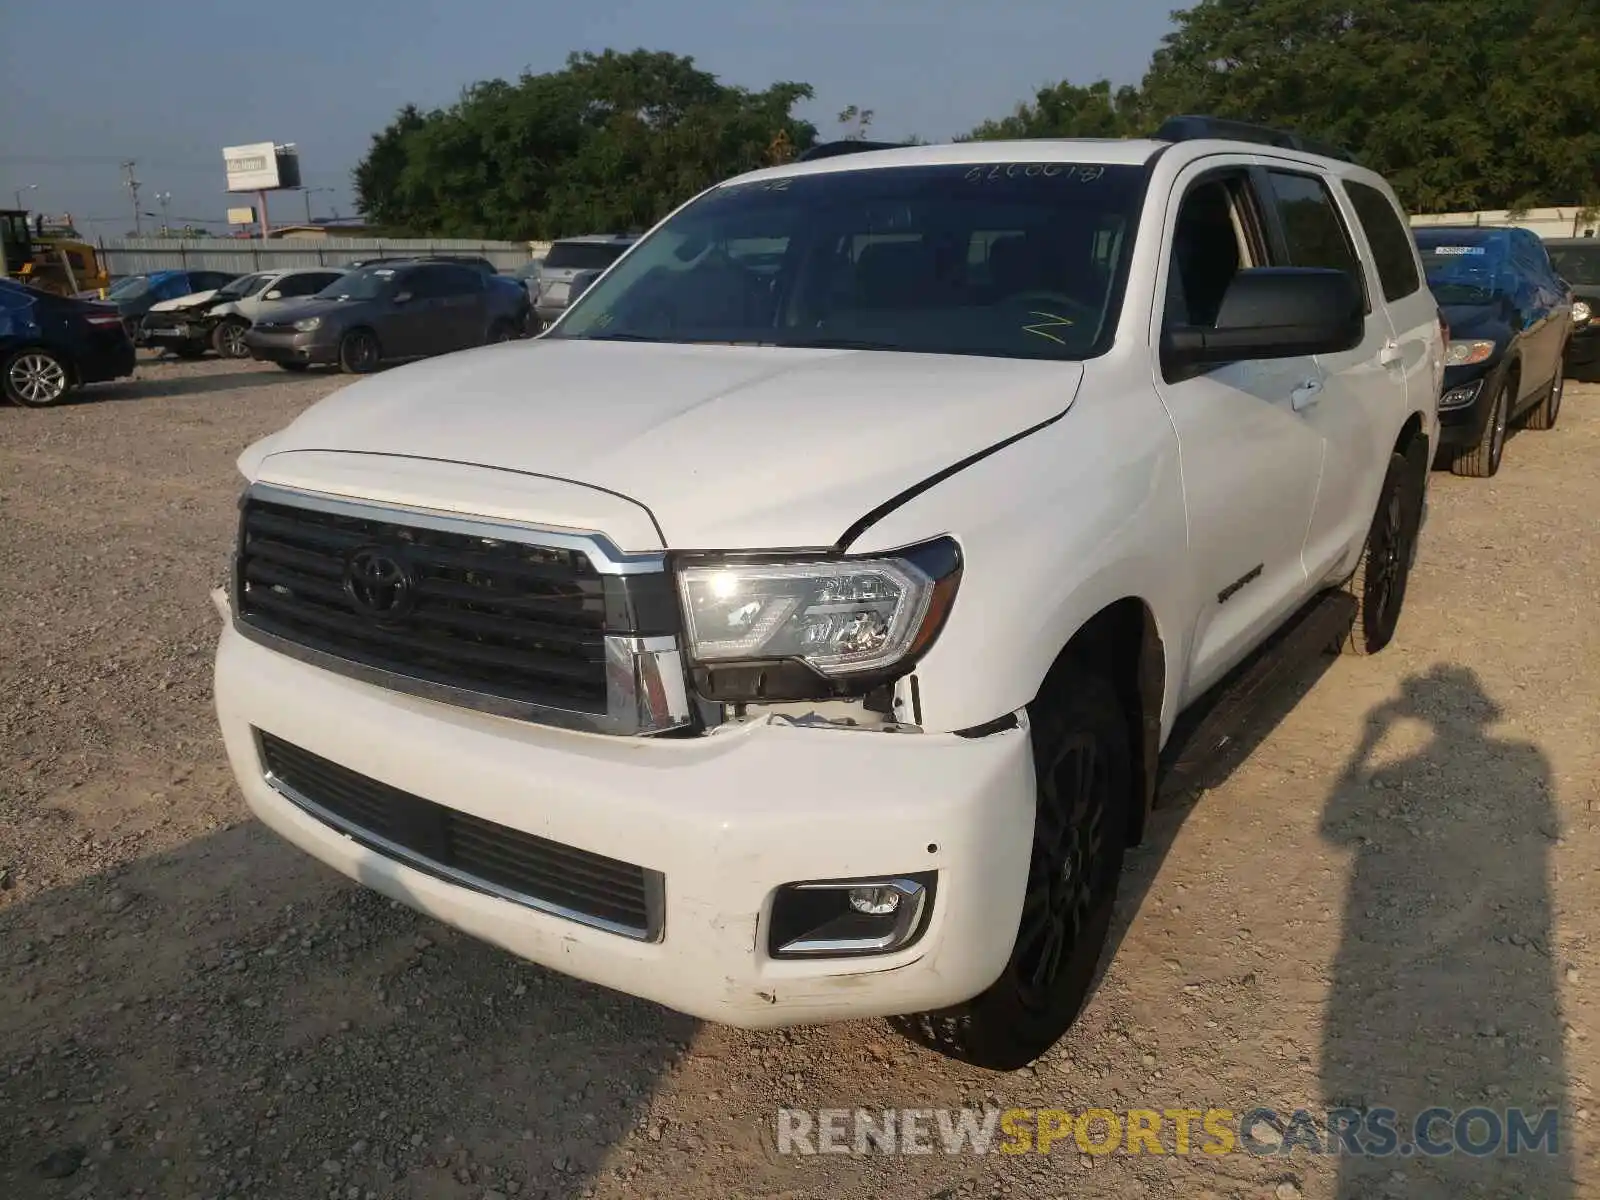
725 819
1461 426
272 345
1583 354
176 334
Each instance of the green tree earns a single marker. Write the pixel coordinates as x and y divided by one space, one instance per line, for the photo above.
1462 104
611 142
1067 110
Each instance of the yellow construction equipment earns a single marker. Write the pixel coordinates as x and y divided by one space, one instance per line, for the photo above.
50 256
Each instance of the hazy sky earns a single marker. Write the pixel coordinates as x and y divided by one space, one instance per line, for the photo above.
169 84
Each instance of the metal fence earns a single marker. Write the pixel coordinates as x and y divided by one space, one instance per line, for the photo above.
133 256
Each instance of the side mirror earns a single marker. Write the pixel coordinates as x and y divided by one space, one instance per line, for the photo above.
402 297
1273 312
274 294
581 283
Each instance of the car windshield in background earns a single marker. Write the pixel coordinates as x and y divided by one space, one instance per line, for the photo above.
1463 268
583 256
1577 264
130 288
366 284
1009 259
245 285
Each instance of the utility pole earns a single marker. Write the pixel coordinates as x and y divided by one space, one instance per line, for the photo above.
132 184
164 199
308 193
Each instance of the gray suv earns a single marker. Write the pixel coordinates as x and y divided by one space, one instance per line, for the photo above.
395 310
567 259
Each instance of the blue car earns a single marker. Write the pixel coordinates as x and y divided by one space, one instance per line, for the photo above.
50 345
1510 319
134 295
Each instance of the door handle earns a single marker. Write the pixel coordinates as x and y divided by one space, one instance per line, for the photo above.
1390 355
1307 394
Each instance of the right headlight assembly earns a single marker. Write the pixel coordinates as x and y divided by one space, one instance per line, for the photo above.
771 628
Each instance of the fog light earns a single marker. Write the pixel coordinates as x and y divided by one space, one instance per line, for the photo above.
1460 397
874 901
849 917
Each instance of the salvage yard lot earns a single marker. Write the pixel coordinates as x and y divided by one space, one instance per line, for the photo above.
1390 901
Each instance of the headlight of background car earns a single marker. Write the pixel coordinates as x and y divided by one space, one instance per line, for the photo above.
307 324
1464 354
806 629
1581 312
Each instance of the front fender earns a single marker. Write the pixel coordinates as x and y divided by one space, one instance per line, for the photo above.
1053 529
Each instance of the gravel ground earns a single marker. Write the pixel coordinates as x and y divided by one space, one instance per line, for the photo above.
1388 901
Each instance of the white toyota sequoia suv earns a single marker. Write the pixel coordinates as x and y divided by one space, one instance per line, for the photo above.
796 631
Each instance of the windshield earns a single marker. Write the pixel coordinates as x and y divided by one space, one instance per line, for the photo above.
130 288
366 284
583 256
1010 259
1577 264
1463 268
245 285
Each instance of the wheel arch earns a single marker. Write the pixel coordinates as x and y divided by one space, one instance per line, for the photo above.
1123 643
66 358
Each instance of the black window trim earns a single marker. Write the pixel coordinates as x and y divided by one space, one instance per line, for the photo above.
1418 276
1257 230
1279 236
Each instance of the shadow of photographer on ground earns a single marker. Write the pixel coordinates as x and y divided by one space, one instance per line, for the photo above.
1444 992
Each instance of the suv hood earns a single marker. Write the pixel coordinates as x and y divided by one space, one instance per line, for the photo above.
728 447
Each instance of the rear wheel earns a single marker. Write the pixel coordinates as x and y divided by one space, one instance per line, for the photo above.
358 352
1544 416
227 339
1084 771
1380 579
1483 460
36 378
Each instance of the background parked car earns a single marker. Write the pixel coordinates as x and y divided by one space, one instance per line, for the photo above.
135 295
217 320
1577 260
1510 318
411 309
51 344
565 260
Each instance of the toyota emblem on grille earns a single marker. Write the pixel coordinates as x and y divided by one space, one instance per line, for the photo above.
379 583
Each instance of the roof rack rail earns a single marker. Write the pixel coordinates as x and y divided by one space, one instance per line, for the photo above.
1194 128
848 146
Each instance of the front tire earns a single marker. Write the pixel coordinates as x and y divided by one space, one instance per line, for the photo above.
1381 577
1483 460
1548 411
359 353
1084 769
227 339
36 378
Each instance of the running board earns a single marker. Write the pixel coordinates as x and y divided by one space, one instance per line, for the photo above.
1203 737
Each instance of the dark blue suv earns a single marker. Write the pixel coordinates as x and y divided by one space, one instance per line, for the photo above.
1510 319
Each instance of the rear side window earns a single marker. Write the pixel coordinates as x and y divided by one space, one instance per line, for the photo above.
583 256
1390 240
1314 234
